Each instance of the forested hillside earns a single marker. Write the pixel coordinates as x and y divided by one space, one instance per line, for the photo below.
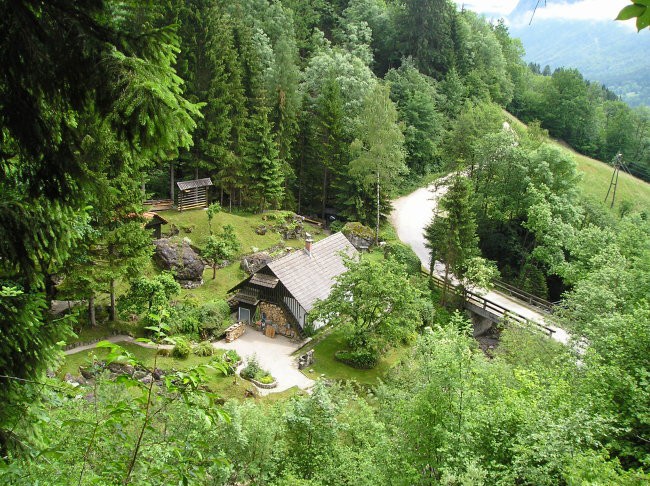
605 52
328 109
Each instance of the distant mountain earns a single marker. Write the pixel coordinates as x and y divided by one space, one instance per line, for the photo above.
607 52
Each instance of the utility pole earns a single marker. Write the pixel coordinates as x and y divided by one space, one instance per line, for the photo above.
616 162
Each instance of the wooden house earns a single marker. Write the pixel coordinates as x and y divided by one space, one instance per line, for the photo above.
284 291
193 194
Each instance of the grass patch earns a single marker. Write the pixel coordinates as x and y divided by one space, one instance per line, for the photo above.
226 279
244 224
374 255
326 364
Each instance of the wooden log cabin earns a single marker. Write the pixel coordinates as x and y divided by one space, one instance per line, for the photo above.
193 194
283 292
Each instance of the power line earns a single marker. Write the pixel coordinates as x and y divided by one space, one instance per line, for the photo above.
616 162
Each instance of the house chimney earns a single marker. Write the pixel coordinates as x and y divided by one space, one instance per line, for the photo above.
308 243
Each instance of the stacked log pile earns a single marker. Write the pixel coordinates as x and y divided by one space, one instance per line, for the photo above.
235 331
277 318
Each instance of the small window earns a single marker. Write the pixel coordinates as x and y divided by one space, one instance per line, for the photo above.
244 315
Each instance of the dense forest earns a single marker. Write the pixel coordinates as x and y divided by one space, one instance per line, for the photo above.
328 108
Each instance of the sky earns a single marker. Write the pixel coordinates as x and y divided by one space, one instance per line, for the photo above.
554 9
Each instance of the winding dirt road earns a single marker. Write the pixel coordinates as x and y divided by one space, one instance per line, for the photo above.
413 212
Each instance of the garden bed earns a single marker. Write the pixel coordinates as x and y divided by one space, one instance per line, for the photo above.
259 384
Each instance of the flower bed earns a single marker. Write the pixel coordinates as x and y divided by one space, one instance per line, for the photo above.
256 375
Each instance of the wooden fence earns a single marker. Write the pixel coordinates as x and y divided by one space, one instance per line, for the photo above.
479 304
538 302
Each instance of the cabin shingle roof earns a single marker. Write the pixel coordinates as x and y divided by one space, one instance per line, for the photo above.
193 184
311 277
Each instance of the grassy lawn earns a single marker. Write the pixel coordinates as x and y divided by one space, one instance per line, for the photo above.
597 176
224 386
326 364
225 279
245 225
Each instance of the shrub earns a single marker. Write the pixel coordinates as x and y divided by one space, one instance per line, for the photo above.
231 356
164 352
336 226
403 254
185 319
204 348
182 348
253 371
362 359
252 368
266 379
213 318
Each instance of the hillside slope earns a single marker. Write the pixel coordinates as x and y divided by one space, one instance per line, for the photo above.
597 176
604 51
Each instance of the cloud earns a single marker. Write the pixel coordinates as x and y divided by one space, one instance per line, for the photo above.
585 10
501 7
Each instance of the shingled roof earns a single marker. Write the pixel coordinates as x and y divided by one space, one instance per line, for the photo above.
310 277
193 184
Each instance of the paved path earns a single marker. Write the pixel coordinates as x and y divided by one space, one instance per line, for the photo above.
413 212
273 354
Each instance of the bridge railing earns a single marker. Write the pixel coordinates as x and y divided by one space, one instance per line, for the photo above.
496 310
524 296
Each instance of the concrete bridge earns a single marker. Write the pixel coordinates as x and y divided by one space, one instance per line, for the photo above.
413 212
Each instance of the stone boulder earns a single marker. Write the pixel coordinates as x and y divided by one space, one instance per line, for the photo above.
252 263
184 263
359 235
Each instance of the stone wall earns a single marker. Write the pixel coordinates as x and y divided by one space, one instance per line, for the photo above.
278 318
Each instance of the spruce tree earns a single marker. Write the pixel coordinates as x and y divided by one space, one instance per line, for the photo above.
263 163
451 235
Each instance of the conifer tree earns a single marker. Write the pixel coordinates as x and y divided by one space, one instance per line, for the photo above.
451 235
263 163
330 138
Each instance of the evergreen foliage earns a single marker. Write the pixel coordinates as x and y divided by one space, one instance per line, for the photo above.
332 106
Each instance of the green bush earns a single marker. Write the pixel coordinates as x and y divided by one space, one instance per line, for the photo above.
185 319
253 371
182 348
213 318
231 356
403 254
336 226
363 359
252 368
204 348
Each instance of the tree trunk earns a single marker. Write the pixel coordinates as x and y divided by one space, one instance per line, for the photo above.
214 272
445 285
171 182
325 174
377 229
112 313
91 310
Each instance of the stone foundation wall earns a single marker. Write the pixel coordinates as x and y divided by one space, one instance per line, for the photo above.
278 318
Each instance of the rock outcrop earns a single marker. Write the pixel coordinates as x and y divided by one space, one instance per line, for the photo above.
180 259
